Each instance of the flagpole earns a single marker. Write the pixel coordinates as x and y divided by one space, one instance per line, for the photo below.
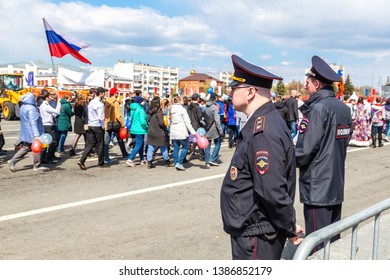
54 69
51 57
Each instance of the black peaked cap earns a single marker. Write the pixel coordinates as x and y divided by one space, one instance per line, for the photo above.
245 72
322 71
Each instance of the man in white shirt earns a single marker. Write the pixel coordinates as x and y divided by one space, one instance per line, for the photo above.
49 114
95 133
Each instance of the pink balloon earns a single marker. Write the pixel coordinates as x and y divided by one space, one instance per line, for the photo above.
203 142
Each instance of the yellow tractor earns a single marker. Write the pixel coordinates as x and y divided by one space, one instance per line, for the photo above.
11 91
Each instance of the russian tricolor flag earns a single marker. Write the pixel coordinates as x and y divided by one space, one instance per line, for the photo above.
61 44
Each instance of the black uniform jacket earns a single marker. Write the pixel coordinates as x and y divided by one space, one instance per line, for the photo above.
258 191
321 149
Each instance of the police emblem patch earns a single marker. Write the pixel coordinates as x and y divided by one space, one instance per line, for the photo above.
233 173
303 125
262 162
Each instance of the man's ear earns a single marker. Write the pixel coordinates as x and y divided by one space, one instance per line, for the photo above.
251 93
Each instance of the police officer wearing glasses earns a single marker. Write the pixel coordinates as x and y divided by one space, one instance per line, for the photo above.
258 190
321 149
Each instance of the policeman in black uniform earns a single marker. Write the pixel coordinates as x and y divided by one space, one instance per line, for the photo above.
258 190
321 149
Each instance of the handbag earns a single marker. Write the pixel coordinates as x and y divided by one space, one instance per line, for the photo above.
128 123
113 126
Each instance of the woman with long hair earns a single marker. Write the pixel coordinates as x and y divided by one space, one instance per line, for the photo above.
157 133
80 120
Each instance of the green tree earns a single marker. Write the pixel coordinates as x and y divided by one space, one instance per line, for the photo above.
280 88
294 85
348 87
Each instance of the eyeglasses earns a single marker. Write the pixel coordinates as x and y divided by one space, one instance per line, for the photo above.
235 88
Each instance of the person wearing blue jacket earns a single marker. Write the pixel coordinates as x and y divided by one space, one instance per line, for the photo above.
232 128
31 127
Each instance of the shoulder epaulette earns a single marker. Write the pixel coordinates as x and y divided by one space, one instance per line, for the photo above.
259 125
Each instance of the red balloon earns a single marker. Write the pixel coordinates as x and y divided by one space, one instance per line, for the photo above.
123 133
203 142
36 146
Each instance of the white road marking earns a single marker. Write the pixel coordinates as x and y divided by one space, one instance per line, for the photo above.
119 195
105 198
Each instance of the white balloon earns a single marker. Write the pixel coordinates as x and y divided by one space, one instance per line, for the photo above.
213 83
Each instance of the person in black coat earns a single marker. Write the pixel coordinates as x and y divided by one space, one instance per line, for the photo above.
321 149
79 122
195 114
282 109
157 133
258 191
292 105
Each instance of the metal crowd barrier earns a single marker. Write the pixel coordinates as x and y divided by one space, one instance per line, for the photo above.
325 234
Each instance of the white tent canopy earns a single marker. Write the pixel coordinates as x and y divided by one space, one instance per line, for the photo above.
353 96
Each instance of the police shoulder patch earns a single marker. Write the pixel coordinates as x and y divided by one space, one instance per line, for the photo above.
233 173
343 131
259 125
303 125
262 162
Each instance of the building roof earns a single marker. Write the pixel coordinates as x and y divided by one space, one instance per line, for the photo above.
200 77
116 78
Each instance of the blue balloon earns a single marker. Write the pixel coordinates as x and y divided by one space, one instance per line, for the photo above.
45 138
201 131
210 90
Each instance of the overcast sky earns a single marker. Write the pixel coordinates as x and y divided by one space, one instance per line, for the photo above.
279 35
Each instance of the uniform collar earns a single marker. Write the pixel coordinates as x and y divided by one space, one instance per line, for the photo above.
261 111
323 93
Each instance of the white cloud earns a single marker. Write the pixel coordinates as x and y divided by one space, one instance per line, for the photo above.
265 56
205 33
110 31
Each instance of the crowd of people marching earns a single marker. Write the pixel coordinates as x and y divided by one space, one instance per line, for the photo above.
168 124
370 120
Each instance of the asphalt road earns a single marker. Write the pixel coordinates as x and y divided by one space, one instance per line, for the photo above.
138 213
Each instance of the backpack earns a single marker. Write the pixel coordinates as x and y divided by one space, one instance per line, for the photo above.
387 113
377 116
206 121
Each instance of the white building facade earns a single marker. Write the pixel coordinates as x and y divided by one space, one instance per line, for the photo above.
225 77
152 79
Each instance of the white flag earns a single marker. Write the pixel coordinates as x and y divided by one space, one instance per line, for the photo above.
69 77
